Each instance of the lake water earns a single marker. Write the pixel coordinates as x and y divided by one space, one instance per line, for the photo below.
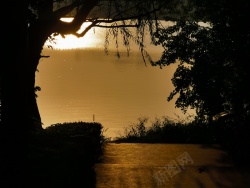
168 165
84 84
87 85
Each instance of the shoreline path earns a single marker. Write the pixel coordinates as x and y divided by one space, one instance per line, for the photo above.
132 165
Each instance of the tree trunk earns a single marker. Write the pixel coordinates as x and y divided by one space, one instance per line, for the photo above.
19 112
14 101
19 105
20 116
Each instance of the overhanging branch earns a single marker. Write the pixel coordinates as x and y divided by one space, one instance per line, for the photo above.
85 30
128 17
63 11
81 17
102 26
97 22
116 26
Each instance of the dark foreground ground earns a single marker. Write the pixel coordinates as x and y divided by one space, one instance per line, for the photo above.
77 155
63 155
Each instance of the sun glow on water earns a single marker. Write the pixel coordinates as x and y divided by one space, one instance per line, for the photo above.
95 39
92 39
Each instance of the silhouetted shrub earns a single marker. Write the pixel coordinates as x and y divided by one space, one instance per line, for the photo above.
63 154
166 130
232 135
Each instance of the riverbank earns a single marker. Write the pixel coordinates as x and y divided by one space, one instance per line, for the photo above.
231 136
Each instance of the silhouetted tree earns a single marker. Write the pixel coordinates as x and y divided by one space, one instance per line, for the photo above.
41 22
26 27
212 74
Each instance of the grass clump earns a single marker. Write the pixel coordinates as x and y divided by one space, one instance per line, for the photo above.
167 130
232 135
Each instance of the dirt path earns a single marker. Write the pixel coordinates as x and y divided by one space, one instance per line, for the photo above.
168 165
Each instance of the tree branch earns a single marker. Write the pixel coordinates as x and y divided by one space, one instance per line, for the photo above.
44 56
83 12
80 17
63 11
129 17
102 26
122 12
85 30
116 26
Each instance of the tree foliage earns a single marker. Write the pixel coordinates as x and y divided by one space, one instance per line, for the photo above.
129 19
212 56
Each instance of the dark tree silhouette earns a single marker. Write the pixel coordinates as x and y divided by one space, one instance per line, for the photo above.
42 22
28 24
212 74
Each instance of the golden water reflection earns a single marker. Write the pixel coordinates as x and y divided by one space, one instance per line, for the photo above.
168 165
